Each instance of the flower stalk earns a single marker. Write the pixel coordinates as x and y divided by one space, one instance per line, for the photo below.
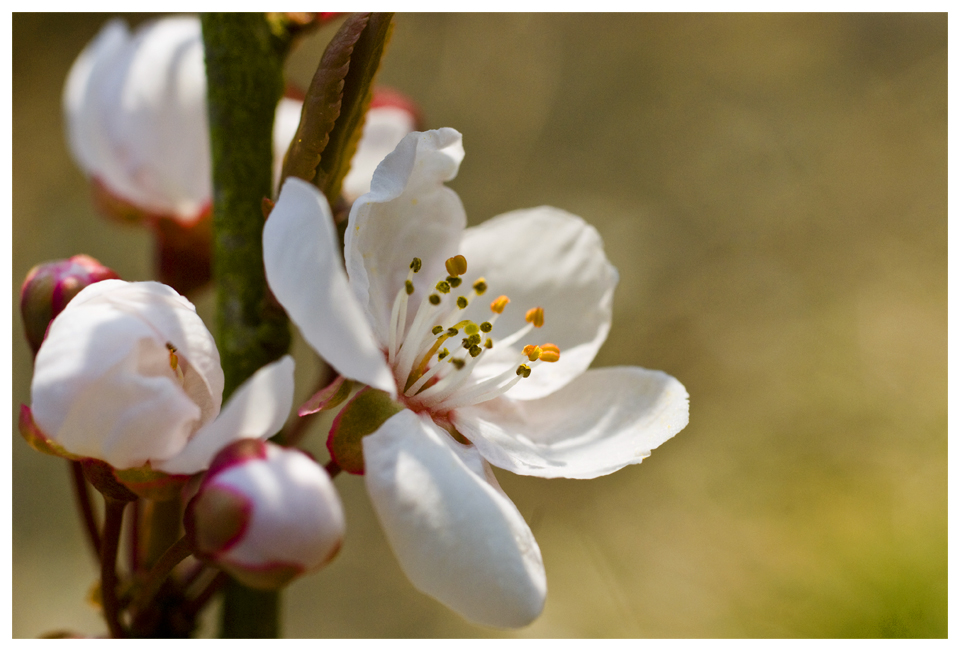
112 525
245 81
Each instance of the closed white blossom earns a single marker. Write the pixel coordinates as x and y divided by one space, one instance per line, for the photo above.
129 374
136 117
265 514
483 336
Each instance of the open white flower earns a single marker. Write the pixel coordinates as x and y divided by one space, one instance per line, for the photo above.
136 117
413 316
129 375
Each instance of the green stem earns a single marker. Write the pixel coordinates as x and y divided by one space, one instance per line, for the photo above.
244 84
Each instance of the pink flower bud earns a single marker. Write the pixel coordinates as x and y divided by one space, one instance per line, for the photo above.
265 514
48 288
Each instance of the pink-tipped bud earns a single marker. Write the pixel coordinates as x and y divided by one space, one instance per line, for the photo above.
48 288
265 514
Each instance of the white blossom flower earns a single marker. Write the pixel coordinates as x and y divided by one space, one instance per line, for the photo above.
136 117
510 380
129 375
265 514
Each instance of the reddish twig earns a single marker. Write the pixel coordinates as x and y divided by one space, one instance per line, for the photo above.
332 468
112 525
196 604
82 493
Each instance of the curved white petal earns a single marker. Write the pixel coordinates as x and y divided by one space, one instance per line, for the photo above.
606 419
295 517
456 535
542 257
302 260
174 320
383 129
408 213
103 387
257 409
85 133
285 124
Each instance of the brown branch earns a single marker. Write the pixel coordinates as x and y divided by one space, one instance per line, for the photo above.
112 525
82 494
159 572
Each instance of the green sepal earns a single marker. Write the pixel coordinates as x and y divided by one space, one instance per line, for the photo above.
37 440
363 415
329 397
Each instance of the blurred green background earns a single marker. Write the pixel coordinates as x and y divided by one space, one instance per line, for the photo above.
773 190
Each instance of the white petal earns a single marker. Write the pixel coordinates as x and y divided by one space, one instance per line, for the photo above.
154 103
285 124
304 270
257 409
174 320
542 257
85 132
384 128
606 419
408 213
296 515
102 387
456 535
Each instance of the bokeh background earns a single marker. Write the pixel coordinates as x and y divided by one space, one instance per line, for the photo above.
773 190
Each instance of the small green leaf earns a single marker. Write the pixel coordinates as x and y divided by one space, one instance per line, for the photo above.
322 104
357 93
363 415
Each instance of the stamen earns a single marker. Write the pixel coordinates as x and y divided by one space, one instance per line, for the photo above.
480 286
523 370
175 362
549 353
398 314
535 316
454 281
443 353
472 328
532 352
415 265
488 343
437 329
457 362
461 302
408 285
486 326
498 304
457 265
443 287
434 299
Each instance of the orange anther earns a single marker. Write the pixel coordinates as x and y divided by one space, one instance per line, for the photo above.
549 353
532 352
500 303
535 316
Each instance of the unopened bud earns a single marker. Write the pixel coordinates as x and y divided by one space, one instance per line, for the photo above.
265 514
50 286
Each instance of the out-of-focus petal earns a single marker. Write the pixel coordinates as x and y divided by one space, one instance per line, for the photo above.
257 409
302 260
285 124
408 213
606 419
542 257
456 535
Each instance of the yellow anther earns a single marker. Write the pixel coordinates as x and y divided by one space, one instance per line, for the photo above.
475 350
488 343
499 304
461 302
415 265
535 316
457 265
456 361
434 299
471 328
523 370
486 326
408 286
175 362
443 287
443 353
454 281
549 353
480 286
532 352
437 329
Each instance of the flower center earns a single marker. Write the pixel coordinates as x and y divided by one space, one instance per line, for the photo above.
432 377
